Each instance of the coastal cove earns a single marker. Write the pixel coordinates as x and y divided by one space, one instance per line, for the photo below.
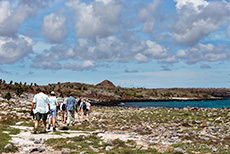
180 104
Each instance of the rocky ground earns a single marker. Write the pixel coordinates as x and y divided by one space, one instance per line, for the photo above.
118 130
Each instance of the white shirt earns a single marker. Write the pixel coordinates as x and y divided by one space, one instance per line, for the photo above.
41 101
88 105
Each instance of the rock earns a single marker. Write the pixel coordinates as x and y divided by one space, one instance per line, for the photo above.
37 141
8 146
218 119
109 142
32 139
215 150
150 143
144 148
204 138
124 127
94 149
65 151
107 148
179 150
39 149
228 115
197 122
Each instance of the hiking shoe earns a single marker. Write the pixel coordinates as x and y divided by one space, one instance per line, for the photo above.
54 129
35 131
43 132
48 127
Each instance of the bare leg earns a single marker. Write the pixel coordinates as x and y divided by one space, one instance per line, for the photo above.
53 121
44 125
50 119
65 119
36 124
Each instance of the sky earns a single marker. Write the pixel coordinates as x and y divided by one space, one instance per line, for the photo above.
138 43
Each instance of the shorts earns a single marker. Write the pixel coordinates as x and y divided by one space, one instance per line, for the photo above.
86 112
64 113
53 113
42 116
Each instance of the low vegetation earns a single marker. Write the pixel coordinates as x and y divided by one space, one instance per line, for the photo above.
5 132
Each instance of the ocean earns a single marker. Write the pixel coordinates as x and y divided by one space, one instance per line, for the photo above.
181 104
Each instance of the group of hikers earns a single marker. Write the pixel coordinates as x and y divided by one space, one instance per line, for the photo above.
44 106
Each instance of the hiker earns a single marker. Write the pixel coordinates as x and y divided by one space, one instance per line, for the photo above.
85 106
42 108
53 101
63 111
71 107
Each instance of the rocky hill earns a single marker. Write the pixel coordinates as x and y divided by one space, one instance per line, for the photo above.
106 83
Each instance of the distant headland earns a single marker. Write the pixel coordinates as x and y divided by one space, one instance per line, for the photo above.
106 93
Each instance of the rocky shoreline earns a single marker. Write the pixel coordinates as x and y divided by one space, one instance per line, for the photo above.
117 102
119 130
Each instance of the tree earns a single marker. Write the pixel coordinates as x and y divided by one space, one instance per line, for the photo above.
61 95
67 93
19 90
7 96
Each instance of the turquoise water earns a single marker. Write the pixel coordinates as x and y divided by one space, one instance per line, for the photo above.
181 104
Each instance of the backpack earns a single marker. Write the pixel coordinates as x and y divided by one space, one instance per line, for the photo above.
84 106
63 107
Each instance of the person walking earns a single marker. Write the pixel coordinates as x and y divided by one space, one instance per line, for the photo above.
53 101
63 111
85 106
71 106
40 106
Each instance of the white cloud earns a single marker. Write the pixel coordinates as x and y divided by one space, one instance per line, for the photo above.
54 28
204 53
155 50
14 49
104 49
47 65
53 55
4 11
141 58
100 18
11 20
172 59
181 53
146 15
88 64
193 25
195 3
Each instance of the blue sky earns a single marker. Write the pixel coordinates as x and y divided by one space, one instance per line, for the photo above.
138 43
